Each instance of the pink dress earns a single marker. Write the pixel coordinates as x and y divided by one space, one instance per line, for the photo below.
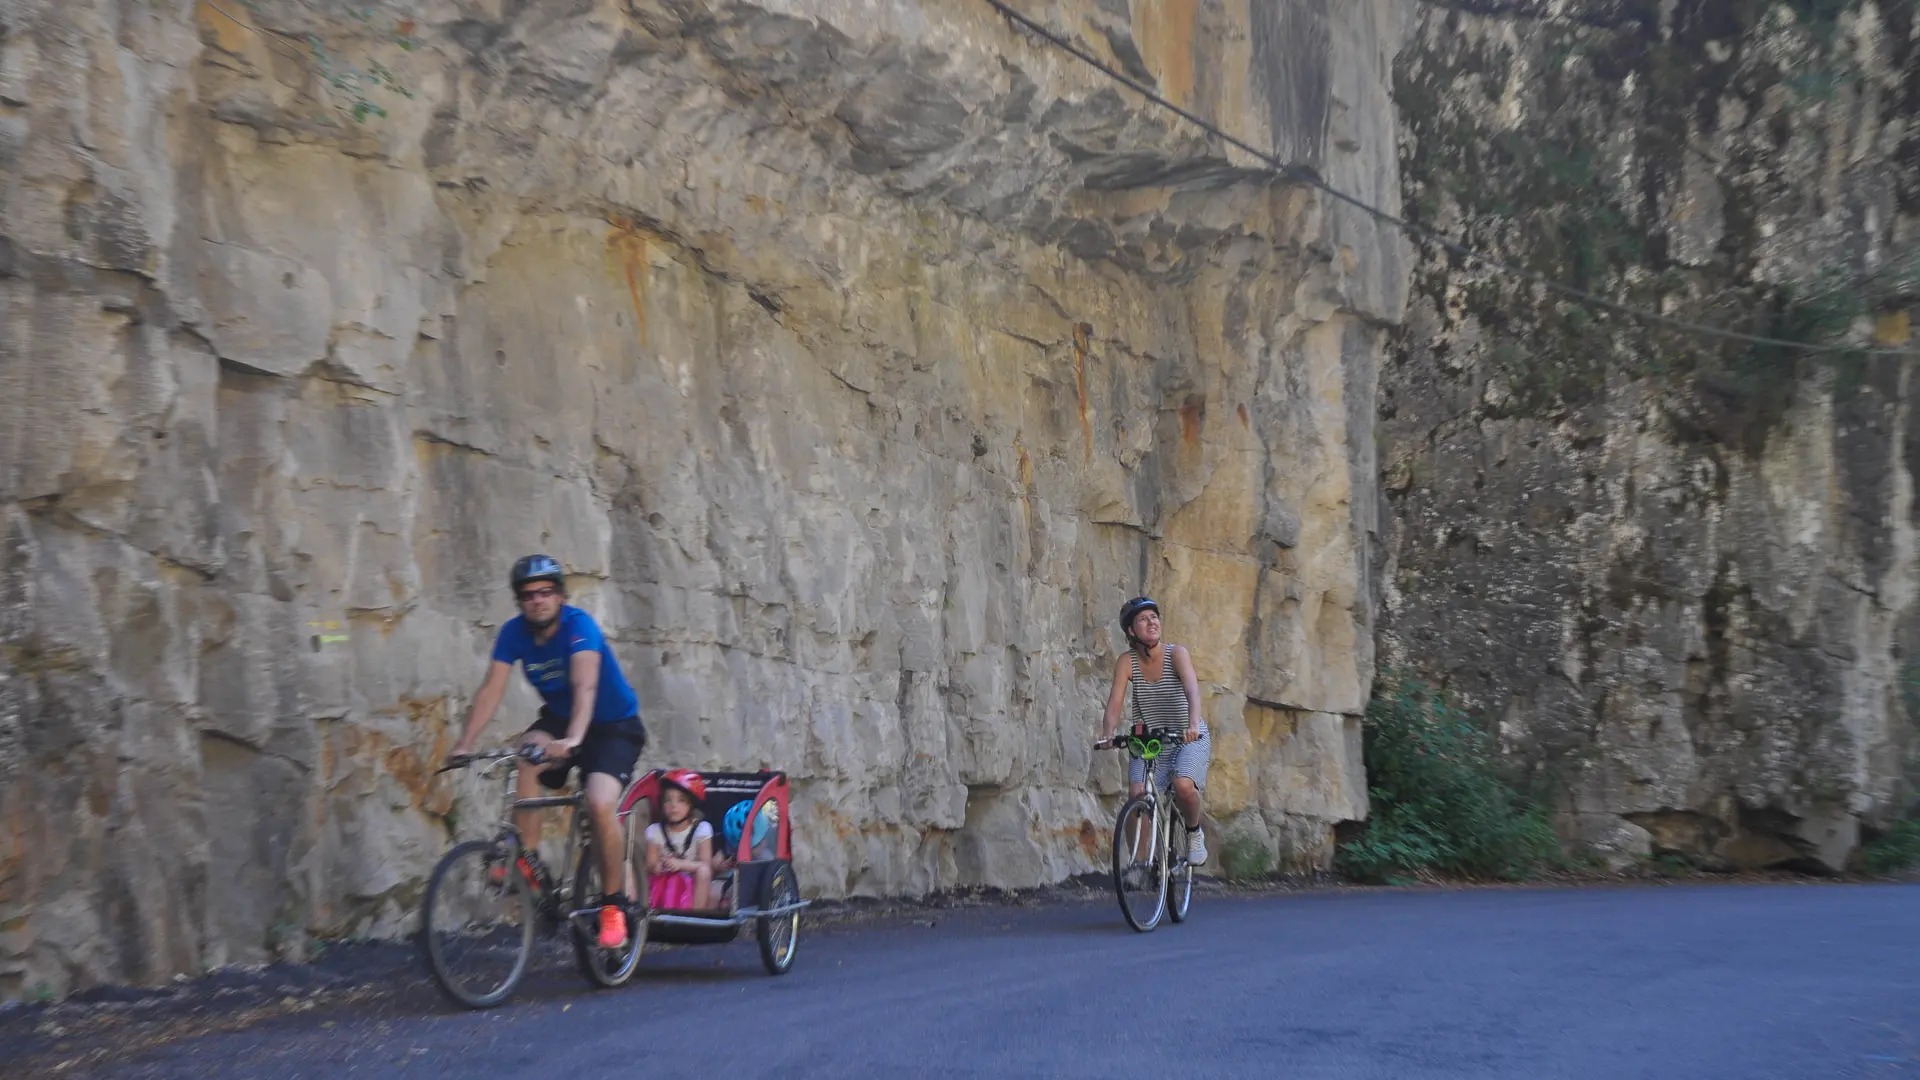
676 890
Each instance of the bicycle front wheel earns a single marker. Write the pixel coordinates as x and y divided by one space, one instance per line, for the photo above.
477 923
1137 876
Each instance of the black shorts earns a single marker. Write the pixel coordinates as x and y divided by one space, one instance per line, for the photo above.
611 746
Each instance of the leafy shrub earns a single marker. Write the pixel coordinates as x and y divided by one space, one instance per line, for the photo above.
1892 851
1440 805
1671 865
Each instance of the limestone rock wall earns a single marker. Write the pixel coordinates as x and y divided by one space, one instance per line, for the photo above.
857 358
1679 573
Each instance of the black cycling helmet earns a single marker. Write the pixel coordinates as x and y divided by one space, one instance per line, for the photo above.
1133 608
538 568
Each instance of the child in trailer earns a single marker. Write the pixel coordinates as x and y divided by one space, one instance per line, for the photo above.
731 829
680 849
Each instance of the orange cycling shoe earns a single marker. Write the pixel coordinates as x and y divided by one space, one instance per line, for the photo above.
613 927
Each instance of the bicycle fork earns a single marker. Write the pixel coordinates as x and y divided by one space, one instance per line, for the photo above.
1149 835
1159 856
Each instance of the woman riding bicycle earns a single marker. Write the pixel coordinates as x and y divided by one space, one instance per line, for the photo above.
1168 703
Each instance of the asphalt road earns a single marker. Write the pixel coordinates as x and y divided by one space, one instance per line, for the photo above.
1694 982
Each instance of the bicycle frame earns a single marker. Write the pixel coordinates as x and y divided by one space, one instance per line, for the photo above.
551 907
1160 854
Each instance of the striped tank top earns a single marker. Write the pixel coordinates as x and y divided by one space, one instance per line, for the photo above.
1162 703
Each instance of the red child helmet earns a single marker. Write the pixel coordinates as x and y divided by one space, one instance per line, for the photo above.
688 781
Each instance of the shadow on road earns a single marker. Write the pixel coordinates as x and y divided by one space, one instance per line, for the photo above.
383 981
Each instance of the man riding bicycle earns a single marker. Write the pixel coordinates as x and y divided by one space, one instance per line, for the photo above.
590 719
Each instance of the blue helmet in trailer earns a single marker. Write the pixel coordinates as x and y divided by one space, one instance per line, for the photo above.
735 823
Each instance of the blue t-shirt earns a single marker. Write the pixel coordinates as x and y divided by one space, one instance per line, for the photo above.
549 666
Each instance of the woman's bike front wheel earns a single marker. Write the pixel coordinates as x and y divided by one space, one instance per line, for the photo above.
477 923
1138 865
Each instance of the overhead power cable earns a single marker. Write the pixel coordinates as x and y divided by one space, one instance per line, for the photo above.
276 37
1303 175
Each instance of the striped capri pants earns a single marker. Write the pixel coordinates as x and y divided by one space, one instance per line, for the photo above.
1188 759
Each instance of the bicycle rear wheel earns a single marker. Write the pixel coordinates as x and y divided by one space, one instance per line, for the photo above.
477 923
602 967
1137 877
1179 870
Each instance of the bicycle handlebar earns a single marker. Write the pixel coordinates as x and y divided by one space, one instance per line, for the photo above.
530 753
1141 742
1146 749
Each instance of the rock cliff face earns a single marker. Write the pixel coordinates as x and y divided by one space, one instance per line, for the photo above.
1680 573
857 358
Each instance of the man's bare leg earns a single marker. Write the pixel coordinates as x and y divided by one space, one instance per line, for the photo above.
527 786
603 805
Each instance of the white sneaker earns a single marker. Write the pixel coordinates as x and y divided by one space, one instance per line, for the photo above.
1197 848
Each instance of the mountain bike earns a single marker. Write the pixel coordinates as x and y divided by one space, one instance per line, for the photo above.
1151 874
489 899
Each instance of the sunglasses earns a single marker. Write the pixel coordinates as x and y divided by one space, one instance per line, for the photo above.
537 594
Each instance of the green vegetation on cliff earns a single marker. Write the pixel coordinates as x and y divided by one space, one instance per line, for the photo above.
1653 155
1439 802
1894 850
345 82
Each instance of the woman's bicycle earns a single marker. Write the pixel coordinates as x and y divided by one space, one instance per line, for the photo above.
1151 874
487 901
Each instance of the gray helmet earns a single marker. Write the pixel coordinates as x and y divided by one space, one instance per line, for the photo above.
538 568
1131 609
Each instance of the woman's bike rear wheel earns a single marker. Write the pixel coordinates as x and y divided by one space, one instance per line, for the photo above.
602 967
477 922
1137 865
1180 871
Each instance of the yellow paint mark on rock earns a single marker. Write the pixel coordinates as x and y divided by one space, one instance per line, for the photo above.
1892 328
